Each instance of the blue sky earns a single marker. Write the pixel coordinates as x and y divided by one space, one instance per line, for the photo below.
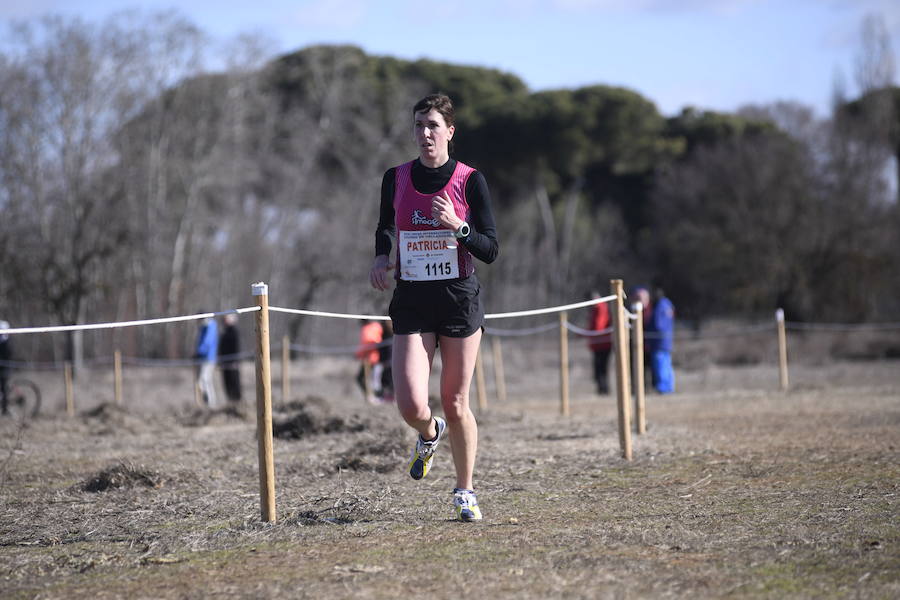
715 54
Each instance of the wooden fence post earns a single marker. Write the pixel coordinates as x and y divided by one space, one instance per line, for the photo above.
285 370
70 392
638 361
623 389
498 369
782 351
117 362
264 405
563 365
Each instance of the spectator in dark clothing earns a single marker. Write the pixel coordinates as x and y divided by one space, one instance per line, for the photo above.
229 351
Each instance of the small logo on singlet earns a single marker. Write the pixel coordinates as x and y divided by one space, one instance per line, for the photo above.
419 219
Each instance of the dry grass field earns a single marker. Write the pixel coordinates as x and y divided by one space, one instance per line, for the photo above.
737 490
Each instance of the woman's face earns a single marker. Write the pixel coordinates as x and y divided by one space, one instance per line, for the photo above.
432 137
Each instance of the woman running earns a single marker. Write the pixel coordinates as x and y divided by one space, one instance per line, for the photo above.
439 211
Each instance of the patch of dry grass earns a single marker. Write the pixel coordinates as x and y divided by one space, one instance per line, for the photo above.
737 494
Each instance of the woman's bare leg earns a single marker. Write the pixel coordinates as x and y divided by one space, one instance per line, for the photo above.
411 361
458 358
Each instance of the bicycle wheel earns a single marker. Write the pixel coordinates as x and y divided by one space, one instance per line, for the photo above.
24 398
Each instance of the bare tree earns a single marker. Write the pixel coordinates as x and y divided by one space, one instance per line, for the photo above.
56 152
67 171
160 190
874 119
874 59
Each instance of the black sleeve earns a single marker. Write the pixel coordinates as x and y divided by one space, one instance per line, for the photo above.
482 240
386 228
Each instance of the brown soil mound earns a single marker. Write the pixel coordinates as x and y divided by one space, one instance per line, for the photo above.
120 476
378 455
108 419
202 417
311 417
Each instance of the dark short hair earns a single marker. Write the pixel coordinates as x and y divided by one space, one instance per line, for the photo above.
438 102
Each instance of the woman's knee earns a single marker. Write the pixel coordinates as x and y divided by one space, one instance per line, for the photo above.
456 407
414 412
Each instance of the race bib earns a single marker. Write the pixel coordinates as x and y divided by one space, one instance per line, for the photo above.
428 255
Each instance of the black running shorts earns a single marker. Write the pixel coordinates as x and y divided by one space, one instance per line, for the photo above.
449 308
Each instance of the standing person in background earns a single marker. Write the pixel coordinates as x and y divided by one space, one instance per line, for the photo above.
385 352
440 211
5 356
642 295
600 345
229 351
662 325
206 353
367 353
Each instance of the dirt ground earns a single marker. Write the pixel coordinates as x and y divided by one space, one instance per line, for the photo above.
736 490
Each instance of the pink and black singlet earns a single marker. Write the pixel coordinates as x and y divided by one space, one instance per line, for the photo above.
406 194
437 290
426 251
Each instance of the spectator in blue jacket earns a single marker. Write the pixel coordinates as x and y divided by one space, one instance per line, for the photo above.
207 350
662 329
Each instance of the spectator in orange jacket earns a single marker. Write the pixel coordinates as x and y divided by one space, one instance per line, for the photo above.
370 335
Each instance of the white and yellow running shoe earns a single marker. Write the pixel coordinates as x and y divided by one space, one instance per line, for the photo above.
466 505
423 453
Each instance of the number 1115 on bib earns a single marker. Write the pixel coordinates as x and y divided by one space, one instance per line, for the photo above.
436 269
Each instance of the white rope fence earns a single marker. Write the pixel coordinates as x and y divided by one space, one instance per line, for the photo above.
552 309
521 332
314 349
346 349
350 349
118 324
136 361
800 326
587 332
333 315
506 315
32 365
622 323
